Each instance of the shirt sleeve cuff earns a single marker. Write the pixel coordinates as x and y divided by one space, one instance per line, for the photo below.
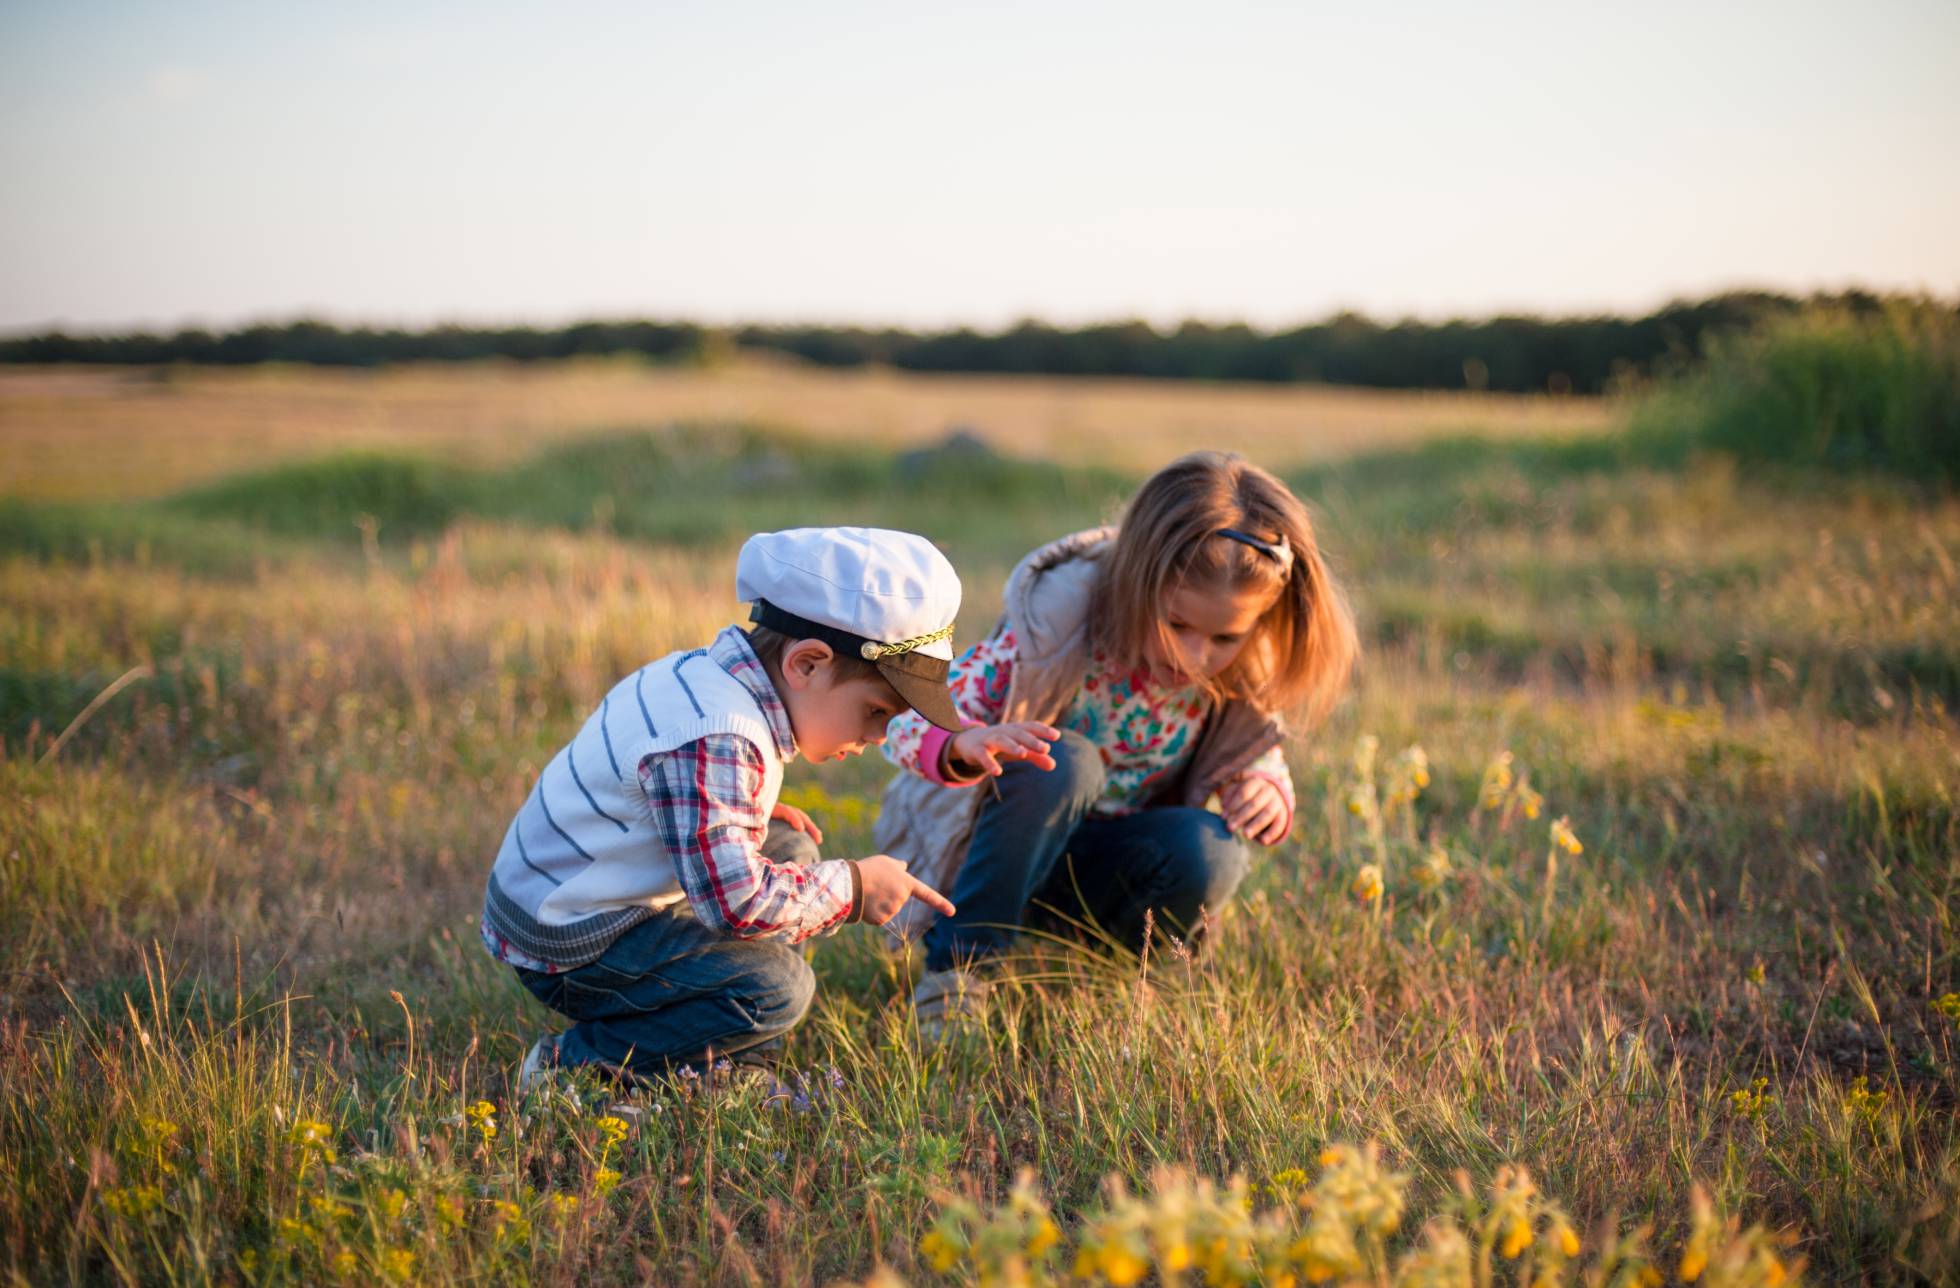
932 760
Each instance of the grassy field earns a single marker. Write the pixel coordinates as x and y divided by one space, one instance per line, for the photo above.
75 434
249 1034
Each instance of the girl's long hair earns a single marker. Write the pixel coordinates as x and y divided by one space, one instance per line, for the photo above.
1302 651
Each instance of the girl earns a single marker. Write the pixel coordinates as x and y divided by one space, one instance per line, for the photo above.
1136 673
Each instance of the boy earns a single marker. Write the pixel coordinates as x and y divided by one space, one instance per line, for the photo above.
651 885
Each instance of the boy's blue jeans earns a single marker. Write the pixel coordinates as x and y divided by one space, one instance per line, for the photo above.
671 992
1036 848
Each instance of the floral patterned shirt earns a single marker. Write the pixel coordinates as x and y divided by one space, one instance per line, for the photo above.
1144 731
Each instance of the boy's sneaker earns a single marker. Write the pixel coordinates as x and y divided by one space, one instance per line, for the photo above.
540 1062
947 1000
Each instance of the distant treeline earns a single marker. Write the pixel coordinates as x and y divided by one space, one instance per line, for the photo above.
1514 354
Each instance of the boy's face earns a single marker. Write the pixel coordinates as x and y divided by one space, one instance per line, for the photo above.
834 718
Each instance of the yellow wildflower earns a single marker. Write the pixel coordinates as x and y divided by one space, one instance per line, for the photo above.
941 1252
563 1206
294 1231
1511 1204
156 1137
1751 1103
315 1137
1948 1005
397 1263
1563 836
1864 1102
483 1117
1367 883
1704 1228
1434 868
604 1181
1356 1188
329 1210
1045 1236
612 1128
1497 782
511 1223
133 1201
1121 1266
1326 1251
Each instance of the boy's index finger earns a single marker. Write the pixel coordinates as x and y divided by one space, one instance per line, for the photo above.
932 898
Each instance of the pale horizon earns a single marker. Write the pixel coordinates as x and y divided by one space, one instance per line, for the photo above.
218 165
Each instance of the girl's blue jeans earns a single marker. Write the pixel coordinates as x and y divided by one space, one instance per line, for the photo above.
1038 853
672 992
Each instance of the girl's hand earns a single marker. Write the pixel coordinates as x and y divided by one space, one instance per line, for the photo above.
1255 809
980 750
797 819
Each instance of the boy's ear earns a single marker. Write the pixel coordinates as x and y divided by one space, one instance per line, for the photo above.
804 660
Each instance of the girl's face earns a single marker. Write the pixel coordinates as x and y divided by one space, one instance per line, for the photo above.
1210 626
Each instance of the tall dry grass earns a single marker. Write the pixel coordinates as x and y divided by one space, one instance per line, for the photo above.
249 1035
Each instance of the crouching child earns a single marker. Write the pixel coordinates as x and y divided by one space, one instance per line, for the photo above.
651 886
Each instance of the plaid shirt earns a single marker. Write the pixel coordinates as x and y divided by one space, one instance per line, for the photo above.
705 799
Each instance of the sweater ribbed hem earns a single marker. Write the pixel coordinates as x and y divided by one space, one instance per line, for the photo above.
565 947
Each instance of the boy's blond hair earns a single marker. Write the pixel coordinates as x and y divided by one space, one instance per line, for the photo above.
1302 651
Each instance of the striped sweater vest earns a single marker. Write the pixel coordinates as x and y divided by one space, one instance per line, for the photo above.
582 862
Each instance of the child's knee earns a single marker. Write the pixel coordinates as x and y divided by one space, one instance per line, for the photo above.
1078 773
1206 862
776 989
784 844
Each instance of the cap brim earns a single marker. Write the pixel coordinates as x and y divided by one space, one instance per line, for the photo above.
921 681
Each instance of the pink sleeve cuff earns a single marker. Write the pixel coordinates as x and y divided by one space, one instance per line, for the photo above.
932 747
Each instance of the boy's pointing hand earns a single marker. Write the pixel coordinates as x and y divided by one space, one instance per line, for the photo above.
980 750
885 885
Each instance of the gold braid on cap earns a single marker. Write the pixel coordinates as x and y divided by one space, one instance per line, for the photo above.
872 650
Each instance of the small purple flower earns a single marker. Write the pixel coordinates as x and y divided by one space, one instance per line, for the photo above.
800 1103
836 1079
687 1073
722 1066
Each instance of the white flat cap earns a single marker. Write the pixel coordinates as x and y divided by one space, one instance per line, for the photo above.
889 597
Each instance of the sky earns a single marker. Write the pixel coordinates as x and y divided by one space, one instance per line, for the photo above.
935 165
